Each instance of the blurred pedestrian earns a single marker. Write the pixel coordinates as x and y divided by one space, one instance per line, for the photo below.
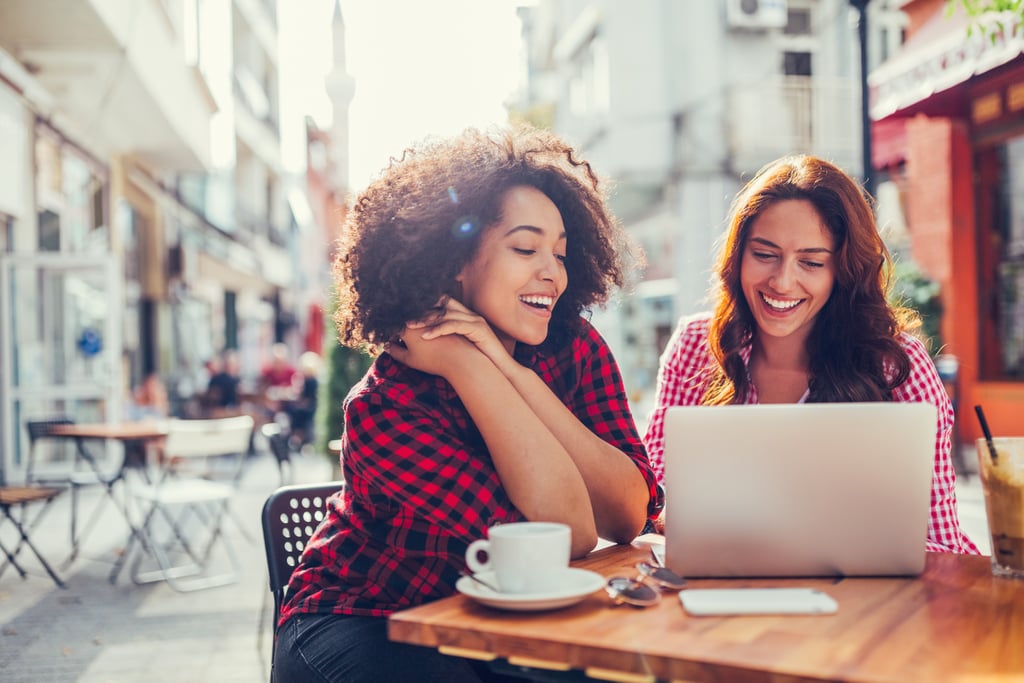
222 390
303 408
279 372
149 399
278 381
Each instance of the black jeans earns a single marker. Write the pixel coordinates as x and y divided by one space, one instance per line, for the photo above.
334 648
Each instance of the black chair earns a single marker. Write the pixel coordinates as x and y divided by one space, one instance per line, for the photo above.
290 515
40 430
277 439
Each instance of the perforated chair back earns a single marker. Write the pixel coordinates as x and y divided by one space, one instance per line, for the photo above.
290 516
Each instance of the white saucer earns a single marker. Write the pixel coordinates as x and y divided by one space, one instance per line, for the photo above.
578 584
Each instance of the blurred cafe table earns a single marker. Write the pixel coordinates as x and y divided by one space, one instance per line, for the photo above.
956 622
136 430
135 436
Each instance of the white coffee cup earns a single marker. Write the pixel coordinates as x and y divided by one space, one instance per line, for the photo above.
526 557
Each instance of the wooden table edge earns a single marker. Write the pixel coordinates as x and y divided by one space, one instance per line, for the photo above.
413 627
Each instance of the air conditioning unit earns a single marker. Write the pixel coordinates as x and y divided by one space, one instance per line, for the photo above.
756 14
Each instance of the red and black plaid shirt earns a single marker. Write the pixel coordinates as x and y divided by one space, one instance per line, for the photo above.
420 484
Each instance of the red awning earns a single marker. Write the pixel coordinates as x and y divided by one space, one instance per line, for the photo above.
938 56
888 142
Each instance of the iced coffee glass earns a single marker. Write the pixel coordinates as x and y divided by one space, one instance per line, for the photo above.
1002 480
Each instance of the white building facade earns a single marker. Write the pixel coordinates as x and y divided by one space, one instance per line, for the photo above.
679 103
144 223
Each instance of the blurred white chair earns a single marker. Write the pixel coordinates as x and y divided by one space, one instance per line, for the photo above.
184 501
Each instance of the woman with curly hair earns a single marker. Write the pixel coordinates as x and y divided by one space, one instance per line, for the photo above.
801 315
468 264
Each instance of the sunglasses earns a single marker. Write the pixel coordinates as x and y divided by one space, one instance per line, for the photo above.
639 591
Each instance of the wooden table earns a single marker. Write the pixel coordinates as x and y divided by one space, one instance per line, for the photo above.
142 430
956 622
134 435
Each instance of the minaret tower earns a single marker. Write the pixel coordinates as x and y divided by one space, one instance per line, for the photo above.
341 88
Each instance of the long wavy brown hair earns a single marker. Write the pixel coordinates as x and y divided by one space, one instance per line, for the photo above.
415 227
854 348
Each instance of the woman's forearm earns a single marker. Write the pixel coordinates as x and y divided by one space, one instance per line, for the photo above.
617 490
540 477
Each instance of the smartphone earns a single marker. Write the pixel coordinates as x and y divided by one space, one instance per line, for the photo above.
723 601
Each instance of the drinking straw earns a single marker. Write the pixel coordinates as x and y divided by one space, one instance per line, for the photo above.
984 430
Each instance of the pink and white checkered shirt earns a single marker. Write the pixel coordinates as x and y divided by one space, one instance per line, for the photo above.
682 382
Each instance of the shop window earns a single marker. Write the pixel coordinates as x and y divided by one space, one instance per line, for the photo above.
1001 265
71 195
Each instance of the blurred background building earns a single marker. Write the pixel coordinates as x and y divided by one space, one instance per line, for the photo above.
146 219
680 104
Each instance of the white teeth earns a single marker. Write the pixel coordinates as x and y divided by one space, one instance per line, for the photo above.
548 301
779 304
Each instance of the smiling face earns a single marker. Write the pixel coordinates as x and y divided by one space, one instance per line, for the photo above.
787 272
518 272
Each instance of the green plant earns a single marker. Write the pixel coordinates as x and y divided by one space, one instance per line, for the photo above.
992 18
913 289
345 367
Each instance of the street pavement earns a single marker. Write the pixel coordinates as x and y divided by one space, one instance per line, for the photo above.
96 632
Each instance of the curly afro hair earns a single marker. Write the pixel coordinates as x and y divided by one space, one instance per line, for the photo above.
415 227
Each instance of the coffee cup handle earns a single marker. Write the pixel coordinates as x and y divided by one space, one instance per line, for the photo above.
472 556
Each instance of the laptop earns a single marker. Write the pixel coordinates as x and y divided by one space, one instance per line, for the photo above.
799 489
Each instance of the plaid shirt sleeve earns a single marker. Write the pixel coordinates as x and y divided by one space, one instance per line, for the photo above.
924 385
599 402
681 374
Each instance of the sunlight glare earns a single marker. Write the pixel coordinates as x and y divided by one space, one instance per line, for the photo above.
426 68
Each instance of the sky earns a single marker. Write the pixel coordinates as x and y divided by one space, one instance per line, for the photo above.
421 67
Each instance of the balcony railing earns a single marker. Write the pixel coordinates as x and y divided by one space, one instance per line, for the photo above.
250 93
794 114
